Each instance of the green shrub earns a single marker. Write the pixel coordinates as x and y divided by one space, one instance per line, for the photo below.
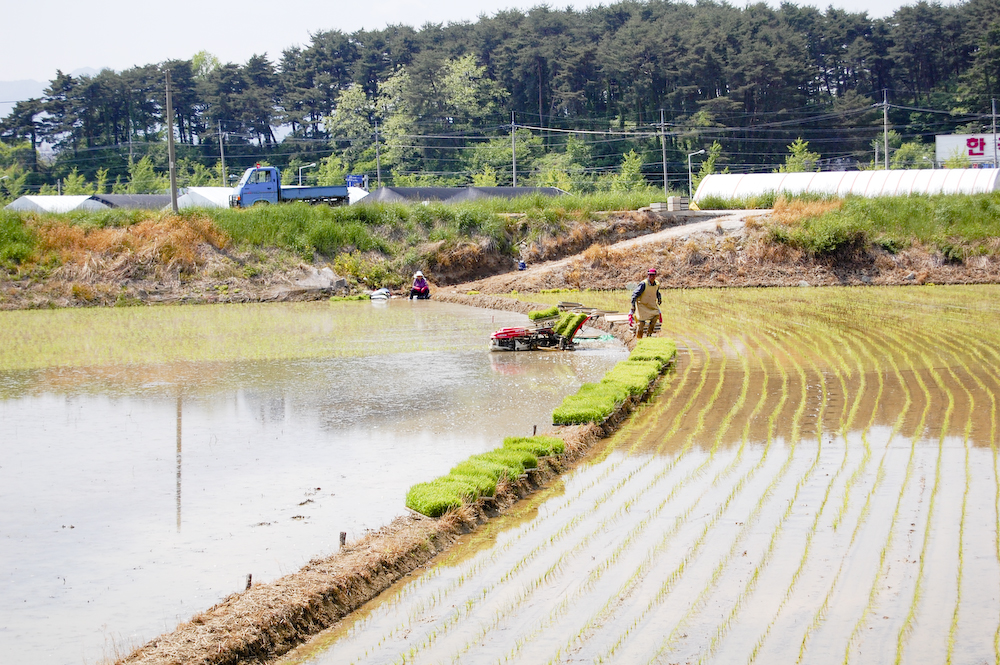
17 241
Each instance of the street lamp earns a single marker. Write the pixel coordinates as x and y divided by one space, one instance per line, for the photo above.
690 192
308 166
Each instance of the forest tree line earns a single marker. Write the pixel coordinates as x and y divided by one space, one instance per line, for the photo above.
584 91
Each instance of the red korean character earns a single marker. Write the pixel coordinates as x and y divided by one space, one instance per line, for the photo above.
975 144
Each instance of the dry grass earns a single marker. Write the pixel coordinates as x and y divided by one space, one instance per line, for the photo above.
171 242
596 255
790 211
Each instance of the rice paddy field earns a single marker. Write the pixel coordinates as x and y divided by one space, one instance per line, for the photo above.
152 457
816 482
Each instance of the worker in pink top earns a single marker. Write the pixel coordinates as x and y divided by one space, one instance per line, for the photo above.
646 305
420 290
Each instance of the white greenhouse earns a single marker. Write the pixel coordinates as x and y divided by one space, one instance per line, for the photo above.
43 203
900 182
204 197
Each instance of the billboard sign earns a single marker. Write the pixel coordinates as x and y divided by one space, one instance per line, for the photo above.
355 180
977 148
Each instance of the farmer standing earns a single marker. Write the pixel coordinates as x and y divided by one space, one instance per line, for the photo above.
646 305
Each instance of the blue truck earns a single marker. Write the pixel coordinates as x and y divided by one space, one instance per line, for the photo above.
262 185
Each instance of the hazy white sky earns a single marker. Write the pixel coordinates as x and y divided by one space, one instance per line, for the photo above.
71 35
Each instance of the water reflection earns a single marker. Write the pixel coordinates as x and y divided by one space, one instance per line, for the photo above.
109 536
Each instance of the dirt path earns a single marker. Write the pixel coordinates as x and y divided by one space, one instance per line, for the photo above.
728 224
552 274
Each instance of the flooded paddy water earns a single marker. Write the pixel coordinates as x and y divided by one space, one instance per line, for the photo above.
151 458
817 482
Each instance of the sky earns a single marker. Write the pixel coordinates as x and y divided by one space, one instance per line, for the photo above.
70 35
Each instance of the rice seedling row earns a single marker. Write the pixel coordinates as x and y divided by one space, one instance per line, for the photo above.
749 523
510 608
618 597
863 549
875 585
845 441
971 510
665 586
719 631
417 613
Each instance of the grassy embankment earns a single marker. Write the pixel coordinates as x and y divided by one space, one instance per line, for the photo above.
957 226
481 475
374 244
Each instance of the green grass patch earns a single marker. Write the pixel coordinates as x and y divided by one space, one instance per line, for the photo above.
438 496
594 402
17 241
478 475
358 296
957 225
659 349
536 445
760 202
568 323
539 314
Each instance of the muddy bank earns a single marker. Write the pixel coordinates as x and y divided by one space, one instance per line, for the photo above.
736 251
190 261
268 620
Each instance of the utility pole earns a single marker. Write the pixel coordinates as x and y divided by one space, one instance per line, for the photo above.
663 148
378 158
170 147
885 127
513 151
222 156
994 105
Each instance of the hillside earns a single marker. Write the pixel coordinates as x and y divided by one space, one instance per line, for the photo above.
309 253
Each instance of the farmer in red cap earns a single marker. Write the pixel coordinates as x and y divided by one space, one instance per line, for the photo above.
646 305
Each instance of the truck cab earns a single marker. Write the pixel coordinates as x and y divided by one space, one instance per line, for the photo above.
259 184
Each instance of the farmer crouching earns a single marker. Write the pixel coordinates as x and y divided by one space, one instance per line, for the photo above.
646 305
420 290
